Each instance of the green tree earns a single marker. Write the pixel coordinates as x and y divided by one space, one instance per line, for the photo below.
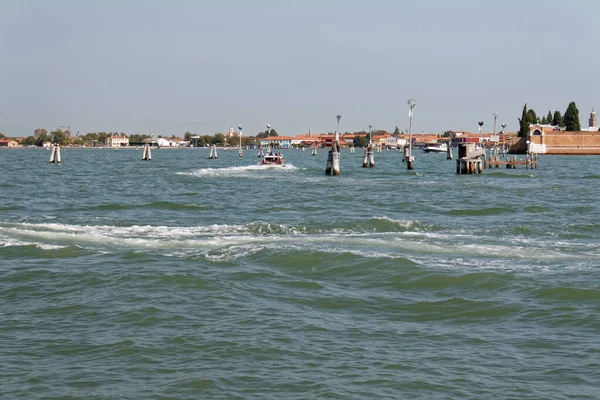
361 141
267 133
524 123
137 138
58 137
544 121
396 131
549 117
41 138
571 118
532 118
29 141
219 139
557 119
2 136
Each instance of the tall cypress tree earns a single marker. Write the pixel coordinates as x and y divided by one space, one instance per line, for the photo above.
557 119
572 118
524 123
549 117
532 117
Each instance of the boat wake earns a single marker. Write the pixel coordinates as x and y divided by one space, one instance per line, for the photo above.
240 171
426 245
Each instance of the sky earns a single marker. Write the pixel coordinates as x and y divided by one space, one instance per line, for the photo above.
203 66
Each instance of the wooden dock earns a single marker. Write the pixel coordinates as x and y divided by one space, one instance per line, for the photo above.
530 161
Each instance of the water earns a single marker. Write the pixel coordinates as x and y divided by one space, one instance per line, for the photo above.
187 278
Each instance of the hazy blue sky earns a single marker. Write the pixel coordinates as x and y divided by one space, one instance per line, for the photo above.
203 66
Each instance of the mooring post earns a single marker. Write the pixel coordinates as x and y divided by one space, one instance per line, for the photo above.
147 153
52 154
58 153
329 164
336 158
366 157
333 160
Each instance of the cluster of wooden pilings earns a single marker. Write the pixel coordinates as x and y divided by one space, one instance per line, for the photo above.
147 153
470 159
213 152
55 154
469 166
531 161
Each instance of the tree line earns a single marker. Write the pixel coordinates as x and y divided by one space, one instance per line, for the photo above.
63 138
569 121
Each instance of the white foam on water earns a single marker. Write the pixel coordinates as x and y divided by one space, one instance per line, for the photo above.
230 242
11 242
241 170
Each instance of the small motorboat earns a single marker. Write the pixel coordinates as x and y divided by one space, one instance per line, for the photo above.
436 148
273 159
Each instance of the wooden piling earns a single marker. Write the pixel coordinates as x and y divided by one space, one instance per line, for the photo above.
53 154
333 160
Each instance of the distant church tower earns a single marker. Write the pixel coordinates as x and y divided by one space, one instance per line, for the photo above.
593 119
230 131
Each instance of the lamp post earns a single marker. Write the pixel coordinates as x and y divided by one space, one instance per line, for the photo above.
370 126
503 138
337 134
408 150
495 116
240 127
480 137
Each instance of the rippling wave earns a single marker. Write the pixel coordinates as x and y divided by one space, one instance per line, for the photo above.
193 278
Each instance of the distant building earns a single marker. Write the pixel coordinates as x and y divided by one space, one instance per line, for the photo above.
8 143
395 142
232 133
172 142
284 142
117 141
592 123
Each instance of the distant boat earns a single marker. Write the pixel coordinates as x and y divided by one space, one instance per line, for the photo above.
436 148
273 159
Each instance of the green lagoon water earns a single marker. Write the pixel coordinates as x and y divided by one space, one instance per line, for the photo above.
189 278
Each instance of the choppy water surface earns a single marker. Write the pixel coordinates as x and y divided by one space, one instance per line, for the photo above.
187 278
